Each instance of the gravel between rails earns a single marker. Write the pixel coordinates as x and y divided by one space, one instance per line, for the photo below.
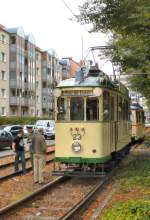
18 187
54 203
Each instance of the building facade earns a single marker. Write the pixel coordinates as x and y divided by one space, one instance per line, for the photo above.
4 72
69 67
28 75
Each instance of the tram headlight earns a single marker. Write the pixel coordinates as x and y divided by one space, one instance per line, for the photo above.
76 146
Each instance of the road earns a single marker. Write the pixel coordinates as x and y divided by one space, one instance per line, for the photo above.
6 151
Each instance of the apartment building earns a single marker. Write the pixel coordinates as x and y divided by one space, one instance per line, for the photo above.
50 77
38 83
69 67
28 75
4 72
48 74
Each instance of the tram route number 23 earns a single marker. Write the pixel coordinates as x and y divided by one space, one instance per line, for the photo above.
76 136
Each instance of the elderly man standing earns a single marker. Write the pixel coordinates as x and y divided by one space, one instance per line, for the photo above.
39 156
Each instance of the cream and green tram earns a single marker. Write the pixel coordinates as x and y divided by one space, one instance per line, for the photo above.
92 122
137 121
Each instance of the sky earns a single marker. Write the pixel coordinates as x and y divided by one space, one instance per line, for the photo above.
50 23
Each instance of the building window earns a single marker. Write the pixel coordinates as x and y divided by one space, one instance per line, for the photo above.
37 71
37 98
37 56
3 39
3 57
37 112
3 93
37 84
3 75
3 111
13 40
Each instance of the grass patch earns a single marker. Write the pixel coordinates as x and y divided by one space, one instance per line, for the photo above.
21 195
132 210
137 174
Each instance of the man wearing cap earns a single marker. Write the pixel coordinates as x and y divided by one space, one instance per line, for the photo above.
39 156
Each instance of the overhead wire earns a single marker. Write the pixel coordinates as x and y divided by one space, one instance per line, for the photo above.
74 15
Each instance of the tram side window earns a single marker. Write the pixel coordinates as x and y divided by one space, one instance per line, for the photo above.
61 109
92 109
106 108
137 117
112 104
120 109
76 108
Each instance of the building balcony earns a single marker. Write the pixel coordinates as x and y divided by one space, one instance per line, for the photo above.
44 104
44 90
24 102
13 83
17 101
14 100
44 77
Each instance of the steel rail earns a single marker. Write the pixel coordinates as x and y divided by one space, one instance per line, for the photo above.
28 158
76 209
87 200
14 174
4 211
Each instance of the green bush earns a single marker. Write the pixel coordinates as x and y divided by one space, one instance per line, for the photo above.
19 120
132 210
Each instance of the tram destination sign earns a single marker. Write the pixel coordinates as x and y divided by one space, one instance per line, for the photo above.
78 93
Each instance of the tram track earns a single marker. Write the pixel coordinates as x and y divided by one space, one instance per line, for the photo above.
63 199
28 168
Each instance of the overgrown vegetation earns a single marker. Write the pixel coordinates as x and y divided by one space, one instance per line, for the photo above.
129 24
132 200
19 120
138 174
132 210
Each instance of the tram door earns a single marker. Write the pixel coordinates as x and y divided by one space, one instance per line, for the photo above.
113 125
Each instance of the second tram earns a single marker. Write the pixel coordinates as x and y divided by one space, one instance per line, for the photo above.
137 121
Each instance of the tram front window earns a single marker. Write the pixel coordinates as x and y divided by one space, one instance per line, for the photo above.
92 110
61 109
76 108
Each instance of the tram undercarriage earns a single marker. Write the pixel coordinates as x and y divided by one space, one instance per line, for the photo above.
88 169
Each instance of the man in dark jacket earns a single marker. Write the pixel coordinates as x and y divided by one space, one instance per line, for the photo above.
18 147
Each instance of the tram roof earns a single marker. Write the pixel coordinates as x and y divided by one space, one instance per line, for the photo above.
87 82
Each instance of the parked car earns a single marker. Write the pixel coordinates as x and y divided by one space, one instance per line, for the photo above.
6 139
49 133
13 129
25 129
48 128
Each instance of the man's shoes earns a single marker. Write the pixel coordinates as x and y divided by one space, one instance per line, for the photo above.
41 183
35 182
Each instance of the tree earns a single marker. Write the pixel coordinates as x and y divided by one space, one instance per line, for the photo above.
129 23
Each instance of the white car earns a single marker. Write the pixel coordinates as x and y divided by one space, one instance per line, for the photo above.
48 127
25 129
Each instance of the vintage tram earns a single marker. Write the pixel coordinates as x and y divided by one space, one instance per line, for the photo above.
137 121
92 122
